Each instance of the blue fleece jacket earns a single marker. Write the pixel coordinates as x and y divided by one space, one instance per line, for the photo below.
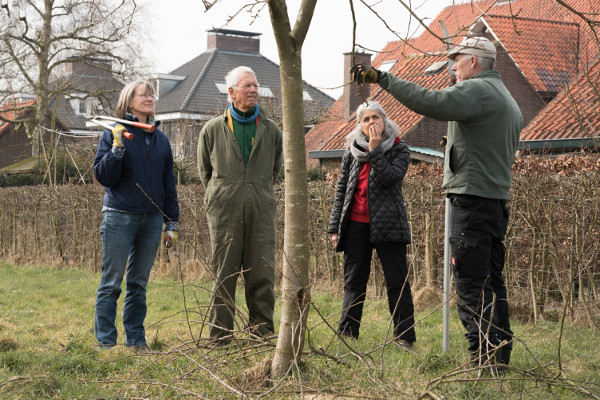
141 178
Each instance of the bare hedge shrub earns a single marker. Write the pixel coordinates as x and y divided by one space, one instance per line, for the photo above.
553 239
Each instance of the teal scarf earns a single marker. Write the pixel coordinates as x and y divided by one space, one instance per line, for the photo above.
241 119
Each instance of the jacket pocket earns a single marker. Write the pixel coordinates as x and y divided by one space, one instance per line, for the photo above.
124 182
452 158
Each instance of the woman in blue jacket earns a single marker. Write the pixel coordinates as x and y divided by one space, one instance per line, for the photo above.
137 175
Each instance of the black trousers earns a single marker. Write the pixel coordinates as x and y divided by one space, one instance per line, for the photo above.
358 251
478 227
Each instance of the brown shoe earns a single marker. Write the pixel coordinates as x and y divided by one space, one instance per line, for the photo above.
404 344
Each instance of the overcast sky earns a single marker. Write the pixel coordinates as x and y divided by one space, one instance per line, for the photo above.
178 32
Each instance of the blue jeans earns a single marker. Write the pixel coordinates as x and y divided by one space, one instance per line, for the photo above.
127 240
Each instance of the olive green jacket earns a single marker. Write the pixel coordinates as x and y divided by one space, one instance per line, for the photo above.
232 188
483 130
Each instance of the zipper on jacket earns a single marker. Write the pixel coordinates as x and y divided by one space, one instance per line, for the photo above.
148 174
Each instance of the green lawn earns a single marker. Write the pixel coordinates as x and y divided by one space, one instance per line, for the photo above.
47 350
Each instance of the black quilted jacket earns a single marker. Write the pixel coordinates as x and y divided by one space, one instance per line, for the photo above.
387 211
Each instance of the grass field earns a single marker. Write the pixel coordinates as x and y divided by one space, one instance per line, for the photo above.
48 350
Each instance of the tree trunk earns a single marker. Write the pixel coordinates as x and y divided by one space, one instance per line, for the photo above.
295 290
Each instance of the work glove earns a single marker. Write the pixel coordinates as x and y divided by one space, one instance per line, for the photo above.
117 132
170 239
444 141
365 74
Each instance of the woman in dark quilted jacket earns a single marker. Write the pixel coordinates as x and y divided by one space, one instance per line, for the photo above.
369 212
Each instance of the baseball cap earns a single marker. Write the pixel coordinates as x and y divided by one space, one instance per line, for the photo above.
478 46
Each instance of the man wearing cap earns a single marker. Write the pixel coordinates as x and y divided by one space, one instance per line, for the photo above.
483 132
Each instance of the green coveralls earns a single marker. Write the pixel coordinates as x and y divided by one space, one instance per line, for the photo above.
241 206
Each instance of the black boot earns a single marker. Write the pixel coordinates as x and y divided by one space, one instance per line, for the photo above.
504 355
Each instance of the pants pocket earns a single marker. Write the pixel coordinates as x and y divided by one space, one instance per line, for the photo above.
465 259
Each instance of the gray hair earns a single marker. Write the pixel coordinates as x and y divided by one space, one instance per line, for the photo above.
486 62
390 128
127 94
233 77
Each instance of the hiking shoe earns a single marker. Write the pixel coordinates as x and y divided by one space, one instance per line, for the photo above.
404 344
141 348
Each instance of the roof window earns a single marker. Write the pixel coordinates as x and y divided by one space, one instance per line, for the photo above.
387 65
436 68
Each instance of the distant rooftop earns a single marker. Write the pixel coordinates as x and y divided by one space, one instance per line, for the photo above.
233 32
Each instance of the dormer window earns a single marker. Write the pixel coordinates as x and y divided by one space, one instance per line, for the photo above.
387 65
81 106
436 68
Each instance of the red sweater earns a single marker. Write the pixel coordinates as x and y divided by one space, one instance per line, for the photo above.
359 210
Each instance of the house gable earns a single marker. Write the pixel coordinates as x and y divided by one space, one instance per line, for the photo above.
573 114
538 44
199 93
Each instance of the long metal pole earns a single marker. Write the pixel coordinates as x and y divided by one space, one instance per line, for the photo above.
446 309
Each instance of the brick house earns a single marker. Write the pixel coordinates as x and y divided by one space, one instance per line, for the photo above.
541 48
195 92
80 87
15 145
84 87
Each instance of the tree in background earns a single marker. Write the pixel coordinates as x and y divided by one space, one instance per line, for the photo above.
37 39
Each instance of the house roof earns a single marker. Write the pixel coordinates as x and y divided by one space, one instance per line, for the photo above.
541 37
459 17
65 113
18 111
330 135
574 113
91 79
326 135
197 93
545 51
14 111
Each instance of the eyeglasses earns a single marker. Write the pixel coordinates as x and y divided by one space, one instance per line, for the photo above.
147 96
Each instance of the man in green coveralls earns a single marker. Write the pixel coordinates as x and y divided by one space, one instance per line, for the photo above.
483 133
239 159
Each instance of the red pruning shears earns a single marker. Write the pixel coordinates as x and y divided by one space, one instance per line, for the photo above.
95 119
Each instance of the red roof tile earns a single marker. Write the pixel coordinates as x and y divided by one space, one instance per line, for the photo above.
539 35
574 113
544 51
14 111
320 136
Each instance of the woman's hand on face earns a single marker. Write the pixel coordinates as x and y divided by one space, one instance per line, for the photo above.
375 132
334 239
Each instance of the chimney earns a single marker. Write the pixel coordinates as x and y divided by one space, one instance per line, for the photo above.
89 66
351 97
229 39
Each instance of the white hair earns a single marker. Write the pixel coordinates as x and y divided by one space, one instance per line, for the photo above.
390 128
485 62
233 77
